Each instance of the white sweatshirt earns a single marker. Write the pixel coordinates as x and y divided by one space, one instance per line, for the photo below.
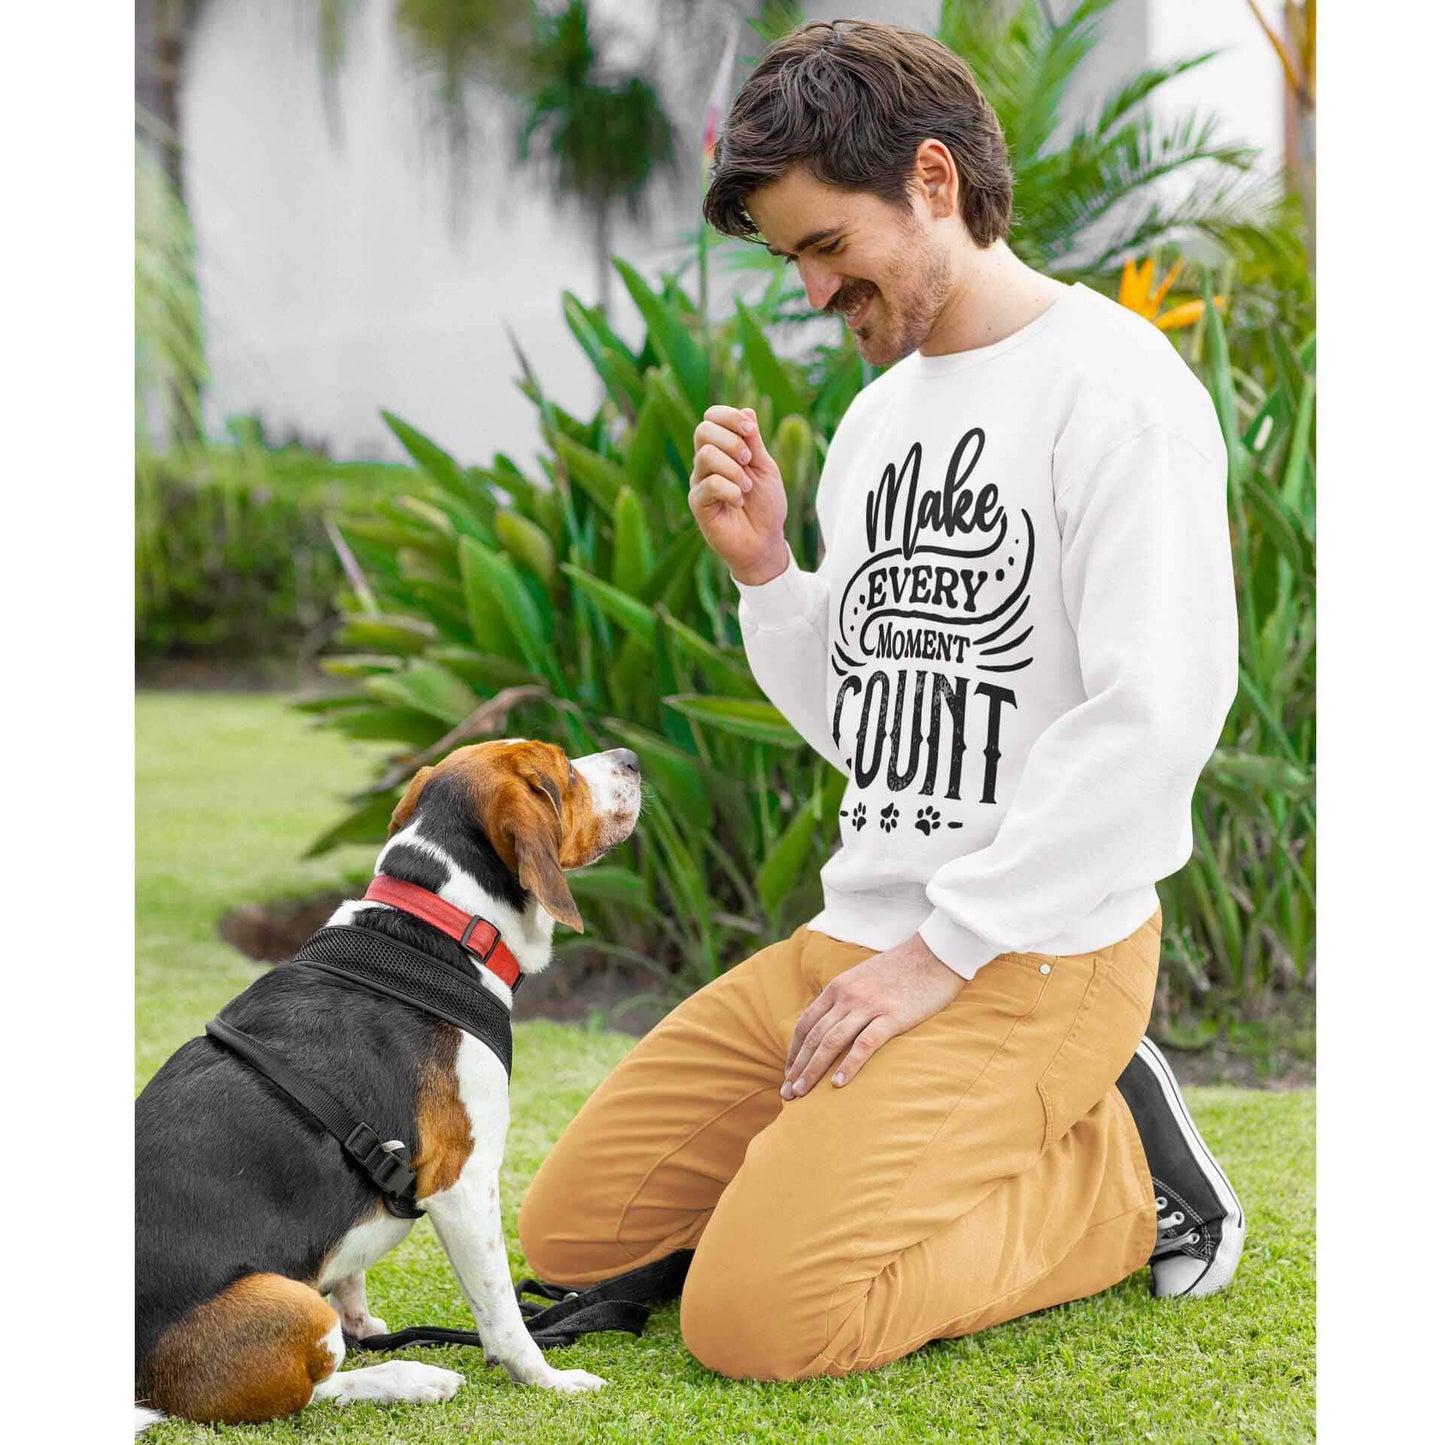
1021 644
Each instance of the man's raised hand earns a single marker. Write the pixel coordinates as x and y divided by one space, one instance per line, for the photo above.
737 495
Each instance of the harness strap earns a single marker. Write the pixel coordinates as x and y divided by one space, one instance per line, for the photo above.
621 1303
393 1178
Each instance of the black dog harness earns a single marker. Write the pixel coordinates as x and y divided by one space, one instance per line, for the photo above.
386 966
398 971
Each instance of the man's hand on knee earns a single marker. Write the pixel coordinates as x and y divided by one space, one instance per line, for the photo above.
862 1009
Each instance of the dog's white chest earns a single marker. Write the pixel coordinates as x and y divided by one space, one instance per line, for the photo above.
362 1246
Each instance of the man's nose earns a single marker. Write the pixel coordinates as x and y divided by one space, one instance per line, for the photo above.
819 282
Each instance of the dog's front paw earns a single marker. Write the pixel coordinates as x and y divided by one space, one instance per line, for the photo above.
395 1382
571 1382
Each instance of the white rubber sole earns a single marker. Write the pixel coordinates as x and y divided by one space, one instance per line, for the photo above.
1171 1274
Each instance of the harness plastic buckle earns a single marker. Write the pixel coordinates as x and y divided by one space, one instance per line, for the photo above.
386 1168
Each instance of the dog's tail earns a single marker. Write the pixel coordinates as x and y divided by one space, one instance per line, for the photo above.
144 1419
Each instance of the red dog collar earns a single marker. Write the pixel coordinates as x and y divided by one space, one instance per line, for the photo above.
480 938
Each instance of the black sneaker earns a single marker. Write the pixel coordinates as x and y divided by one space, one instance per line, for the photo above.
1200 1218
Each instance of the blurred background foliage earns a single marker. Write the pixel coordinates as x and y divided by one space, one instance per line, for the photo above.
567 595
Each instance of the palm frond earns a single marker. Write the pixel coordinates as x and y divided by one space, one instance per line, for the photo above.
1134 91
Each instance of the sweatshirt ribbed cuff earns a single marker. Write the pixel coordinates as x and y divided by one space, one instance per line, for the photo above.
952 944
785 599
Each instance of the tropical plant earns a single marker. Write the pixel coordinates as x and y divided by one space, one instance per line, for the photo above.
584 602
1089 197
1244 908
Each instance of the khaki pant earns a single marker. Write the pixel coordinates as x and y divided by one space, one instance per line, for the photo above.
979 1167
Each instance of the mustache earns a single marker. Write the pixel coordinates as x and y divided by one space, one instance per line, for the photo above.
849 295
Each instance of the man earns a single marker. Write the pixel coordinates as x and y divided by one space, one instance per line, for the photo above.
1020 647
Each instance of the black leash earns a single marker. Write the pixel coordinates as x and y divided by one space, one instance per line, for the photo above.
621 1303
398 971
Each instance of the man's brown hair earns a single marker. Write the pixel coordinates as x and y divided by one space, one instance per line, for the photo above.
852 101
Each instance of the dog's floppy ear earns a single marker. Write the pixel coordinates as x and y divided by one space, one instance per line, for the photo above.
537 838
401 815
541 874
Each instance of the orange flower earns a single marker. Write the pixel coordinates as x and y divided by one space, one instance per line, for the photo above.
1138 292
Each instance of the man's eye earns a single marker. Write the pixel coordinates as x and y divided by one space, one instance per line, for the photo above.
831 249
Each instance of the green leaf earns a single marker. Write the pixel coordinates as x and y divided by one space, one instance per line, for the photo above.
389 633
626 611
1280 528
486 615
429 516
602 883
428 687
359 664
366 824
784 863
730 675
678 418
1251 778
670 581
439 465
1220 379
496 596
647 448
612 363
369 720
632 558
1291 484
485 672
529 544
600 478
768 373
669 336
743 717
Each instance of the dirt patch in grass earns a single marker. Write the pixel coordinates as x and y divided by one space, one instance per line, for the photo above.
1261 1048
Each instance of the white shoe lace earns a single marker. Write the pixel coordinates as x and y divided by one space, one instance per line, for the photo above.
1166 1243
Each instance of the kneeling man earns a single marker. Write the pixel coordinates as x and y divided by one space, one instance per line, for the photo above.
1020 647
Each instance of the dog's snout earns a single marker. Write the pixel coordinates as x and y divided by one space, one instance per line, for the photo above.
627 760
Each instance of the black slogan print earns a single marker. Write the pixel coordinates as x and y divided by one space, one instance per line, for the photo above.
932 632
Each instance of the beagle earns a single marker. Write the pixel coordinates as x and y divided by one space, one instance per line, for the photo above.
253 1232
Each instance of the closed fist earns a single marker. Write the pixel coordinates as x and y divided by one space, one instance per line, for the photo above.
737 495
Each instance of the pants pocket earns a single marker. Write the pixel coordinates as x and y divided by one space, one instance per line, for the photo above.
1011 984
1112 1017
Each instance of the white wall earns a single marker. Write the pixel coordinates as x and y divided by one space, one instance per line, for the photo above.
335 283
333 278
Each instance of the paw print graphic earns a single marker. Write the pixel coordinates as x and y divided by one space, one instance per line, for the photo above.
860 816
888 818
928 820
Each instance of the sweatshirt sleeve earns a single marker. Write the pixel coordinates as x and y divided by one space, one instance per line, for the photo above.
1103 800
785 635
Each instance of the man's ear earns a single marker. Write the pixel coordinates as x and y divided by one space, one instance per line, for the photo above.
540 873
401 815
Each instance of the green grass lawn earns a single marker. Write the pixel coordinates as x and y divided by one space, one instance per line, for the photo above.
230 790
